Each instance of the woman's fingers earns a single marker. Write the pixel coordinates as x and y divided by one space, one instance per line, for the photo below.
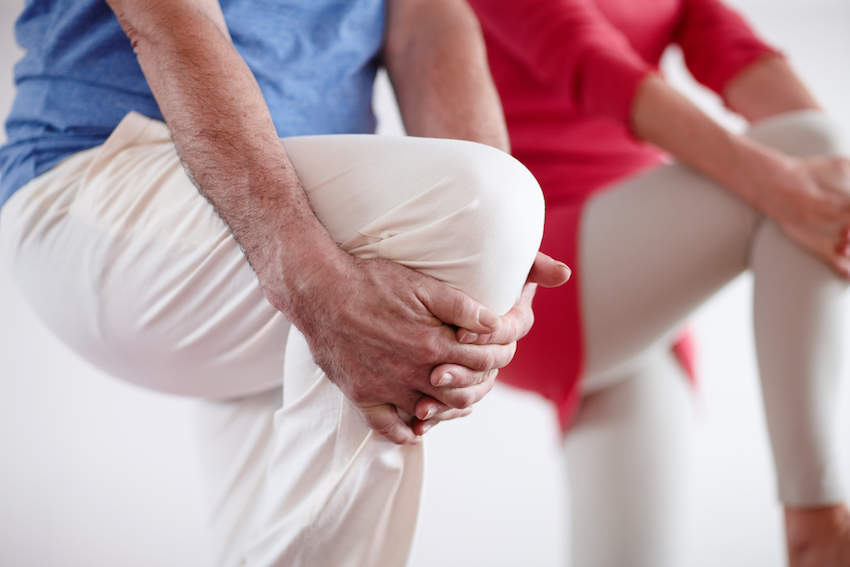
814 209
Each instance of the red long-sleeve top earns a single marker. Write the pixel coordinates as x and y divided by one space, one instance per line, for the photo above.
567 72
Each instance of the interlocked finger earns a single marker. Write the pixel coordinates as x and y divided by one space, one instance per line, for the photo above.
454 376
421 427
462 398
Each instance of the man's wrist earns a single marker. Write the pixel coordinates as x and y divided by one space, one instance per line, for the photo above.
293 261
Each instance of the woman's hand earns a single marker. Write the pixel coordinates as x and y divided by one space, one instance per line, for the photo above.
808 197
812 205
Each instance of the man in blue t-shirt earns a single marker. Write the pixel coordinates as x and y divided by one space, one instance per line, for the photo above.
148 284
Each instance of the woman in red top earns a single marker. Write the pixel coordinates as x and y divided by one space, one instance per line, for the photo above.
650 241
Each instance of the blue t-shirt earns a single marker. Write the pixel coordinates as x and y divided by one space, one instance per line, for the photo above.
315 62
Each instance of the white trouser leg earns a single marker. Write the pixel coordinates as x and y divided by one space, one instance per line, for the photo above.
656 247
800 311
235 442
443 210
128 264
629 469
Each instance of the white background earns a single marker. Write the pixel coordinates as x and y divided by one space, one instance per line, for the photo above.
95 473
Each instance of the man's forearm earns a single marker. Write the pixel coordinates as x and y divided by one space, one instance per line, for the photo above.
437 63
225 136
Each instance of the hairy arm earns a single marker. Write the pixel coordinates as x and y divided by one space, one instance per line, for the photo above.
224 134
378 344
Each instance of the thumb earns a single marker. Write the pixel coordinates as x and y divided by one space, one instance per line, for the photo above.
548 272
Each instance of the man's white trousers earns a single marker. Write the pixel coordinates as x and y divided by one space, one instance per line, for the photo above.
125 261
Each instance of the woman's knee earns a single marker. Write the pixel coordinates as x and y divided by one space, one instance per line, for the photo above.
802 133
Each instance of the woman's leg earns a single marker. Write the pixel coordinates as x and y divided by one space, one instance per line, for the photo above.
629 468
652 250
800 319
656 247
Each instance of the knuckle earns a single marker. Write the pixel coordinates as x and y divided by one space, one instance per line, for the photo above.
468 378
483 359
502 356
431 348
464 400
484 389
489 376
388 429
356 393
461 306
494 356
527 322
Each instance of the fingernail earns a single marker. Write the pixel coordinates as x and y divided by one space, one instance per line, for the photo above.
468 337
488 318
445 380
430 414
425 428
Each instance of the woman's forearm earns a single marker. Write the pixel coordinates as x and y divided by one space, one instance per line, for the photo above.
808 197
665 118
766 88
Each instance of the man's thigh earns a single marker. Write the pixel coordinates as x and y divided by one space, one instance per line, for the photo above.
123 259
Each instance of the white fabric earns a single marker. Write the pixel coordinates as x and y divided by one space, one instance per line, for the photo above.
653 249
628 455
125 261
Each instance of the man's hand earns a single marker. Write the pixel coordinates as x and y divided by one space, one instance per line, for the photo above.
376 328
514 325
379 329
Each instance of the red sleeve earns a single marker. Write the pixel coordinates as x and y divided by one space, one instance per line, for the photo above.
717 43
568 44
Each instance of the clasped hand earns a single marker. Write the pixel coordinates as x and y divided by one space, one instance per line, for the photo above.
812 205
394 340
